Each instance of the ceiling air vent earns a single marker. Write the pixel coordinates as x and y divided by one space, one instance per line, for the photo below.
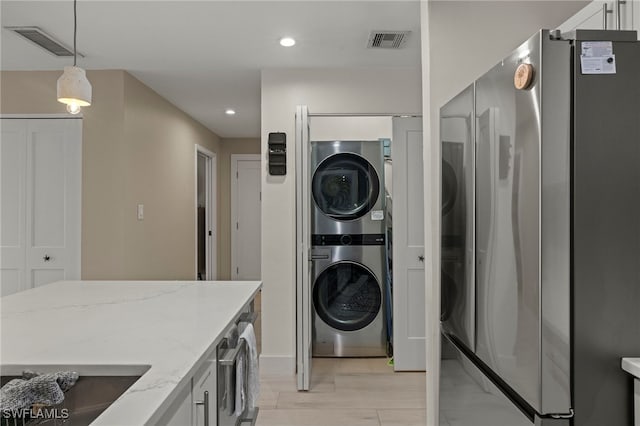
388 39
44 40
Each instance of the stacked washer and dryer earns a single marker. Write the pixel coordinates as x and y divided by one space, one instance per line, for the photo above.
348 248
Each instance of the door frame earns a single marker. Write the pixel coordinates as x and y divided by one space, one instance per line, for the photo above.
211 193
235 158
304 338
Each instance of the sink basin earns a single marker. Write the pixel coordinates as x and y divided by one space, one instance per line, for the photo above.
85 401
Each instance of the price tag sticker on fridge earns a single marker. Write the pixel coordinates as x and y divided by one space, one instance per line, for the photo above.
597 57
377 215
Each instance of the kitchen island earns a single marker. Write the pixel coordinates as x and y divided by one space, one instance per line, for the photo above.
160 330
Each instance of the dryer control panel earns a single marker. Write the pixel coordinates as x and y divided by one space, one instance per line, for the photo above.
348 240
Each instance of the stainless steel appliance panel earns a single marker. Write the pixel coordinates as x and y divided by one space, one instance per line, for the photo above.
606 229
508 139
457 220
347 187
348 298
555 232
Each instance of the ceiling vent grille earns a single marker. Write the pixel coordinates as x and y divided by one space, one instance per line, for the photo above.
388 39
44 40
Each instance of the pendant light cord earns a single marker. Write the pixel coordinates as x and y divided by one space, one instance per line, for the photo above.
75 31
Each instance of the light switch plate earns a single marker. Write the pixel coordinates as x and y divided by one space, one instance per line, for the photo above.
140 211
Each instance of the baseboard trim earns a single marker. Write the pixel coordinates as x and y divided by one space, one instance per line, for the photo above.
280 365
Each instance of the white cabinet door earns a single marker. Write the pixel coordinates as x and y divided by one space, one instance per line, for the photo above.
180 411
188 409
409 351
13 176
41 209
204 395
246 259
592 17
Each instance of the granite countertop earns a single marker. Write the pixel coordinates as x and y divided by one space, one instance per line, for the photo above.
632 365
160 329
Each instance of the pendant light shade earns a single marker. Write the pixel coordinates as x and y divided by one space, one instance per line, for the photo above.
73 88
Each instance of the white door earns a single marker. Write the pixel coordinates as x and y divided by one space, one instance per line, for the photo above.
245 206
409 351
303 239
41 175
601 15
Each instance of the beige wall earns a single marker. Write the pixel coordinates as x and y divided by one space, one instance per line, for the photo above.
228 147
160 173
137 148
479 33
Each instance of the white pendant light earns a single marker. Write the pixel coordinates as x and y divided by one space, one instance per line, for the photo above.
74 89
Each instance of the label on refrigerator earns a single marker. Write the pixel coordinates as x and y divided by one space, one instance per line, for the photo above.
597 58
598 65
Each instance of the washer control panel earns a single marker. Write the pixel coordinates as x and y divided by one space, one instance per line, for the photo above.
348 240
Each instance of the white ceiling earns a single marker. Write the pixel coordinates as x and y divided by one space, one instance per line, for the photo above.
205 56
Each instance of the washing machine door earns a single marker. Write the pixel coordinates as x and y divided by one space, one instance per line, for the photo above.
345 186
347 296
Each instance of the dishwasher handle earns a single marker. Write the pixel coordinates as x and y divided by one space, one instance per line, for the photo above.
248 317
229 357
250 417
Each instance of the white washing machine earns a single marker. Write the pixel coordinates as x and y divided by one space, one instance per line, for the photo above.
348 295
347 187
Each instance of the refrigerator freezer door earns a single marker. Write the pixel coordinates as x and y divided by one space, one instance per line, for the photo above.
522 221
457 225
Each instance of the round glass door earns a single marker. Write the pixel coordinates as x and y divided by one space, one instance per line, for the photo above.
345 186
347 296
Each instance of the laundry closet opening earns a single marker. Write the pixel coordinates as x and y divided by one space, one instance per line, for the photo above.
361 223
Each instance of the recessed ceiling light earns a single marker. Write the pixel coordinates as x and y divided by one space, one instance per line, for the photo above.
287 42
230 111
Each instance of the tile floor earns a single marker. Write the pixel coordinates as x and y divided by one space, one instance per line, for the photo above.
367 392
463 402
345 391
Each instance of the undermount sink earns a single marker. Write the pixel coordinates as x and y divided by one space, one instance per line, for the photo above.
85 401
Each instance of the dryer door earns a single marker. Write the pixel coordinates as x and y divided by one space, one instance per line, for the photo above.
345 186
347 296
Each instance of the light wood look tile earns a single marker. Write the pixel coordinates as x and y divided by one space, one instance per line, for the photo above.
402 417
317 417
388 382
345 392
330 400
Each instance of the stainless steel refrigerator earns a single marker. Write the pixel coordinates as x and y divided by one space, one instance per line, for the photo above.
541 229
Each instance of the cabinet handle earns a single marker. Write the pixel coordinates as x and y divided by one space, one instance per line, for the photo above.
618 4
605 12
205 402
46 258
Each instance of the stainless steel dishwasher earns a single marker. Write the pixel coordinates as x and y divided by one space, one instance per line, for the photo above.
231 351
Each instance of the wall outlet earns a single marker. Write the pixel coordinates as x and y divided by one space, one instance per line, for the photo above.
140 211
